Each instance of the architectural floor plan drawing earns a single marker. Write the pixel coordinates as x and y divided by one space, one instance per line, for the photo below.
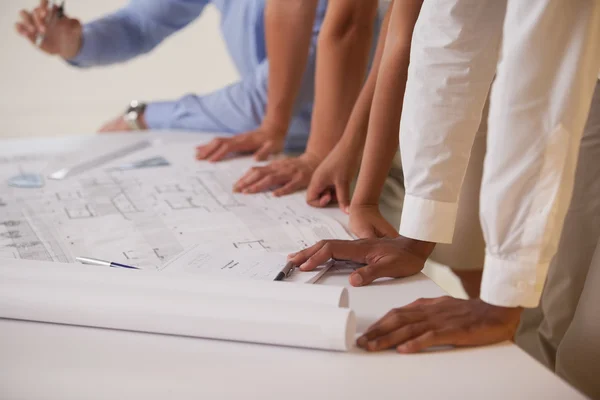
146 216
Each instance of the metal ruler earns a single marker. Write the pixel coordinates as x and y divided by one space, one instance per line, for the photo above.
66 172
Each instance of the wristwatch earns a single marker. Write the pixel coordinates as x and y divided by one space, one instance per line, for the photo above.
133 114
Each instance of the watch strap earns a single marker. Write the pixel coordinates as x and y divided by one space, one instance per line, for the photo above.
133 114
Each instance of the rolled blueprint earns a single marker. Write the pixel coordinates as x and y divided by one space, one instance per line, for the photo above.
78 274
138 301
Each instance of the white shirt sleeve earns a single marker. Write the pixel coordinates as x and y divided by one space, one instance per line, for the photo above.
453 60
538 108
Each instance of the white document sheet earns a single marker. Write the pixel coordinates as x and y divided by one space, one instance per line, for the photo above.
144 217
278 313
245 264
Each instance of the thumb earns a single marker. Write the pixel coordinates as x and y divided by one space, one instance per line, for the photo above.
386 231
342 192
362 229
264 151
366 233
325 199
314 192
381 269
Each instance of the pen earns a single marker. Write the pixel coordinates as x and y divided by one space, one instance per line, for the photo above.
39 39
285 272
94 261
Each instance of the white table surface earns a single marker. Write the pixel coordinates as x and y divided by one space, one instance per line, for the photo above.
49 361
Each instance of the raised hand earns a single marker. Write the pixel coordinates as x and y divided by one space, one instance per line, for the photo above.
62 35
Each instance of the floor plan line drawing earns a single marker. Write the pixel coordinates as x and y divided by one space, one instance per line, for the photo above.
23 240
168 189
68 195
251 244
144 217
185 203
80 212
123 203
47 237
233 202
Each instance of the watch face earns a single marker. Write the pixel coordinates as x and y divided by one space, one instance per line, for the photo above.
136 106
131 115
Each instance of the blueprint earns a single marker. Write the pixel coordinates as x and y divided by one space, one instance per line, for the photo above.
149 215
247 264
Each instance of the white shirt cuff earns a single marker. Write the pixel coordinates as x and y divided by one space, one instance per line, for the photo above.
428 220
512 283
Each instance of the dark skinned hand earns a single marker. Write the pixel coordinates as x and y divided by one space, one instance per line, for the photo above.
439 322
393 258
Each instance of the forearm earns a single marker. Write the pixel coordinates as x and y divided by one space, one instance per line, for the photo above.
235 108
342 60
288 32
108 40
355 133
187 113
382 139
135 29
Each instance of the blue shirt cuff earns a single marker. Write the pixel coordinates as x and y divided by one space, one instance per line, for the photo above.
158 114
88 51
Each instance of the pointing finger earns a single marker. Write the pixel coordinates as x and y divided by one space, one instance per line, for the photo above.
236 144
39 15
292 186
342 193
27 22
393 320
221 152
401 334
429 339
303 255
323 255
23 31
251 176
339 250
204 151
380 269
265 183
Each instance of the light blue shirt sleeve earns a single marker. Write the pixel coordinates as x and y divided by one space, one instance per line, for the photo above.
133 30
236 108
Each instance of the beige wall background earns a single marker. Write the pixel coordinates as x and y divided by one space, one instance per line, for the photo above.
43 96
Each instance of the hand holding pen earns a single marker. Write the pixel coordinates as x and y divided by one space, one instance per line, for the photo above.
48 28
